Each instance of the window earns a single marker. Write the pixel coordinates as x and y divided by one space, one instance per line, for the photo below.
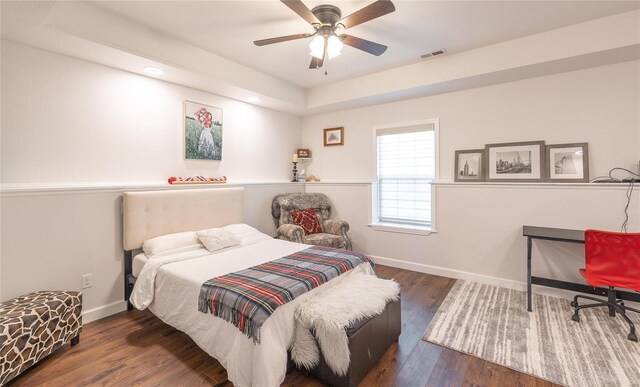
406 164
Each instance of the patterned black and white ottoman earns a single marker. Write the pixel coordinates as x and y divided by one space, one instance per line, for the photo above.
34 325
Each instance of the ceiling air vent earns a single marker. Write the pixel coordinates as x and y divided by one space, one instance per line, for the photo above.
439 52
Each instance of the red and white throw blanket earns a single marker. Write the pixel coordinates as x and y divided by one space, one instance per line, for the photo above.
248 297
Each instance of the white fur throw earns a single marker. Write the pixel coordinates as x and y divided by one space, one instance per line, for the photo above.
328 314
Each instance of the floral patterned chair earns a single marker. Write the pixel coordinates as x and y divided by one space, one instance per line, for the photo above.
334 232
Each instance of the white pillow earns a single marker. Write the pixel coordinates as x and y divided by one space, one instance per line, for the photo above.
216 239
247 234
157 245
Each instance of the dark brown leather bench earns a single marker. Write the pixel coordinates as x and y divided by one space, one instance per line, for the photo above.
369 339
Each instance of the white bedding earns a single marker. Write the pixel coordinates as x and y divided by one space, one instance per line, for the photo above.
176 287
138 262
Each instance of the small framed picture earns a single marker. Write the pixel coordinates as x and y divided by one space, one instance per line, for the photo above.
304 153
515 162
469 165
568 163
334 136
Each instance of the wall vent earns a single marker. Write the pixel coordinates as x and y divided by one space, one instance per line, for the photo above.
439 52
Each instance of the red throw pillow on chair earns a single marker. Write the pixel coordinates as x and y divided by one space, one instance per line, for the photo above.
308 220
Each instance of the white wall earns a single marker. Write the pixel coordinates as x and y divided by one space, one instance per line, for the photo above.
50 239
597 105
67 122
480 227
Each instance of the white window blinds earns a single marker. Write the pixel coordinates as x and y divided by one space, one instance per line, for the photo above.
406 167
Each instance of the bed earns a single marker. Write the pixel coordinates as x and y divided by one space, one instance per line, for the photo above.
177 280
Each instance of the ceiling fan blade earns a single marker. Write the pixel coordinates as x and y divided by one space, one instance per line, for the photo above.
279 39
316 63
364 45
298 7
370 12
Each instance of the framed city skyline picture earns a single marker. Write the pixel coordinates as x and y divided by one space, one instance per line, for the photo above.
568 163
515 162
202 132
469 165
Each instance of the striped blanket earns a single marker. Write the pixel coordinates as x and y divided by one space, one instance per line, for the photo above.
248 297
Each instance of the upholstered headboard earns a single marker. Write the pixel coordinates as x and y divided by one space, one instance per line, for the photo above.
149 214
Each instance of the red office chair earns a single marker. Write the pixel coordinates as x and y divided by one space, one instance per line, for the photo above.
613 260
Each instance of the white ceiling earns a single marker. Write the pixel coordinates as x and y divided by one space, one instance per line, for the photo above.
512 39
228 28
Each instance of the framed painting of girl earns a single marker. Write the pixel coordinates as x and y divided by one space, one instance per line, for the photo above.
202 132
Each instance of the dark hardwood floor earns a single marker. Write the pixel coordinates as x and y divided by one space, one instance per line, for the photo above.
136 348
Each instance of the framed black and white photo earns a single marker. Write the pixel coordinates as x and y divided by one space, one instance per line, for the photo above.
568 163
516 162
469 165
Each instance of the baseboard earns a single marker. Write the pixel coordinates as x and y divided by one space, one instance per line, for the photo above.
103 311
467 276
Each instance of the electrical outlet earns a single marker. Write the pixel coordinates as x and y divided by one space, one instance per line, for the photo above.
87 282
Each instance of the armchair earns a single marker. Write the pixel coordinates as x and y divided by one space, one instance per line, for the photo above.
334 232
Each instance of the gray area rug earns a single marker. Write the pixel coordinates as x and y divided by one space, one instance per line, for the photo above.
492 323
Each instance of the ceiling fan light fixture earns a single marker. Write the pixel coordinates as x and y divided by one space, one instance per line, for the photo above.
334 46
317 47
329 25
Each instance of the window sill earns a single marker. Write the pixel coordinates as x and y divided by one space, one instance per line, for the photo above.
390 227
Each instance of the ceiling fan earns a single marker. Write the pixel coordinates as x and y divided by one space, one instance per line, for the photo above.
328 38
